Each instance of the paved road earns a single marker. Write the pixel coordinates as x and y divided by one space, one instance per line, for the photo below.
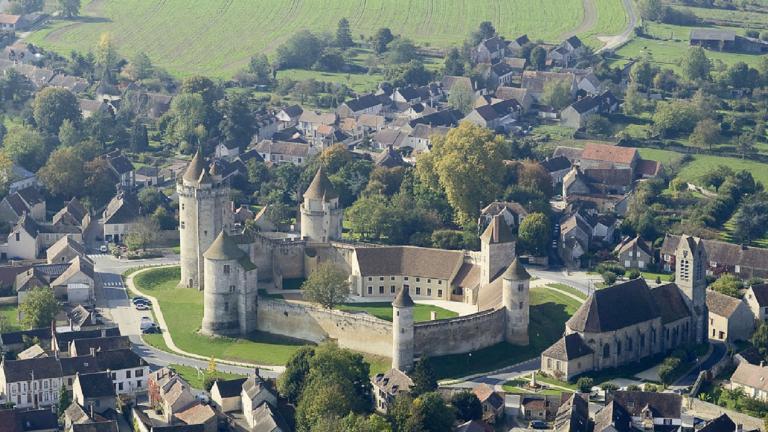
614 42
718 351
579 280
113 301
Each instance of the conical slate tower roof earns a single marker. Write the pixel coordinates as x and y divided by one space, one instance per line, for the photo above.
498 231
195 168
403 299
321 187
224 249
516 271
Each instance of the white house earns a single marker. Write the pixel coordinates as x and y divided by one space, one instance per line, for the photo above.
31 383
129 372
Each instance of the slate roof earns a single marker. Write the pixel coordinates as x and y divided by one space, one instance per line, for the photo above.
17 337
321 187
195 167
721 304
223 249
573 415
574 41
585 104
600 313
283 147
666 405
724 253
105 426
761 294
63 339
389 158
79 315
389 138
123 208
96 385
119 359
723 423
494 44
408 261
609 153
22 370
73 208
230 388
266 419
450 117
79 364
403 299
614 418
31 195
254 385
393 381
753 376
83 346
670 303
502 68
485 393
516 271
120 164
497 231
558 163
35 420
293 111
568 347
363 102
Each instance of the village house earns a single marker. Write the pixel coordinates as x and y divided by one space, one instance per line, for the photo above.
310 122
121 213
743 261
650 410
8 22
32 383
389 158
428 94
497 116
28 238
536 81
288 117
226 150
147 176
521 95
512 212
94 391
490 50
122 168
27 200
285 152
726 40
557 167
128 371
387 387
19 178
752 379
573 415
563 54
516 45
634 252
74 214
366 104
85 346
757 300
449 82
502 73
576 115
64 251
491 402
540 407
730 319
34 420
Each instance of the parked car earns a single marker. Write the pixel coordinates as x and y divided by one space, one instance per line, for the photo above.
137 300
538 424
146 322
153 329
103 248
141 306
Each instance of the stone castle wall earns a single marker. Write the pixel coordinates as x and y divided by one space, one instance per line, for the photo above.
460 334
285 257
356 331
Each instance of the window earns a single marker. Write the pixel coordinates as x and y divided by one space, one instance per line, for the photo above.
231 288
139 373
114 376
127 374
182 206
405 278
226 306
391 278
429 280
606 351
370 279
629 344
429 292
520 305
370 290
381 290
381 278
392 289
520 287
226 269
439 282
17 236
120 386
418 291
181 224
549 363
618 348
440 293
418 279
642 341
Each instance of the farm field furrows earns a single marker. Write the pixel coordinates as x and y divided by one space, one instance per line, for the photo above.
217 37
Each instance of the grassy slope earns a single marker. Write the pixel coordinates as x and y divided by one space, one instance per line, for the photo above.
549 312
384 311
183 313
216 38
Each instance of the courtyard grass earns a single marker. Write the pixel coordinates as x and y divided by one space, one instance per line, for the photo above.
518 385
218 38
195 379
383 310
569 289
183 312
10 315
549 312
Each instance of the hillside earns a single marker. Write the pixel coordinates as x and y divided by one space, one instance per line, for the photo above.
216 37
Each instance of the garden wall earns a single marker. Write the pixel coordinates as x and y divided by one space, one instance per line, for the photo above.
459 335
356 331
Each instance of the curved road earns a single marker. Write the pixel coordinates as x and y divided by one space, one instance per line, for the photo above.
613 42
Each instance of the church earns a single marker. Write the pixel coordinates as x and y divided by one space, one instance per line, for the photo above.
230 265
630 321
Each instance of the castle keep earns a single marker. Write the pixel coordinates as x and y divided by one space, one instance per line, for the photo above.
230 264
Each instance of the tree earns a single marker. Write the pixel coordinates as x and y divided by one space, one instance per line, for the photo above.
557 94
454 64
667 369
705 134
64 401
462 97
186 115
259 66
26 147
142 234
139 138
411 73
534 233
675 117
106 54
642 73
467 405
150 198
598 125
237 124
52 106
538 58
760 339
300 50
291 382
326 286
100 183
695 64
751 220
423 377
343 34
69 8
381 40
140 67
429 413
728 284
69 135
634 101
585 384
746 144
402 50
487 30
38 308
466 164
651 10
63 174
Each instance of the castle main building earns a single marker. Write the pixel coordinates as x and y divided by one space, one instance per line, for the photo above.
231 264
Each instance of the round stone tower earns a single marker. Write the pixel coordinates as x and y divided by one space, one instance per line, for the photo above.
402 331
321 215
229 298
515 300
204 211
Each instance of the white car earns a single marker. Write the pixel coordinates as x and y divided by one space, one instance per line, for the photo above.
142 306
103 248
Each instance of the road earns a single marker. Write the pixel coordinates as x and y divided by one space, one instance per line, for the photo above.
613 42
580 280
112 300
718 351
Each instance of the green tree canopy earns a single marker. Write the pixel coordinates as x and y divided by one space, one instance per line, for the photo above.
557 93
26 147
728 284
52 106
534 234
467 406
423 377
63 174
695 64
38 308
381 40
326 286
462 97
344 34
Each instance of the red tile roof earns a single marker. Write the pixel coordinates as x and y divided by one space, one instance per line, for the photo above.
609 153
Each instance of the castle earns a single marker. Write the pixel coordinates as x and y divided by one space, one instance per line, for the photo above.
629 321
230 264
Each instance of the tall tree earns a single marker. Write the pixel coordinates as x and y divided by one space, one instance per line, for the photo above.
261 69
52 106
139 138
468 406
429 413
344 34
454 64
467 164
140 67
705 134
142 234
38 308
106 53
462 97
534 234
237 123
69 135
423 377
695 64
557 94
26 147
63 174
326 286
100 183
382 39
291 382
69 8
538 58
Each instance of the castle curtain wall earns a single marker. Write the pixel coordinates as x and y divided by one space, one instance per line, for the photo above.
460 334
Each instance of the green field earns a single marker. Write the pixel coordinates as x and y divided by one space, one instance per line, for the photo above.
195 379
217 37
421 312
183 312
703 164
549 312
11 317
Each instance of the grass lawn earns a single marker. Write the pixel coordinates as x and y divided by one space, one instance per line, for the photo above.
518 385
568 289
195 379
703 164
421 312
666 157
665 277
549 312
183 311
217 38
10 314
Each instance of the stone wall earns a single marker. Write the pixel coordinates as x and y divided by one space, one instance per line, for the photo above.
356 331
460 334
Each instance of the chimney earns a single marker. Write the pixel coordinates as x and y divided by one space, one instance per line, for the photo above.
93 352
90 406
71 325
739 427
103 332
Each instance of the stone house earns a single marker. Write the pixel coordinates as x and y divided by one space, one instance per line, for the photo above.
227 150
492 403
123 169
536 81
366 104
557 167
651 410
512 212
577 114
285 152
121 213
226 394
753 379
73 214
540 407
570 356
128 371
35 420
521 95
20 178
449 82
289 116
502 73
8 22
730 319
757 300
199 414
387 387
28 238
94 391
31 383
150 176
24 201
65 250
517 44
490 50
78 282
723 257
495 116
573 415
634 252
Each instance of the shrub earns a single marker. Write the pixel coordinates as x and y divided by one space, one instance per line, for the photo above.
611 266
633 274
585 384
609 278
